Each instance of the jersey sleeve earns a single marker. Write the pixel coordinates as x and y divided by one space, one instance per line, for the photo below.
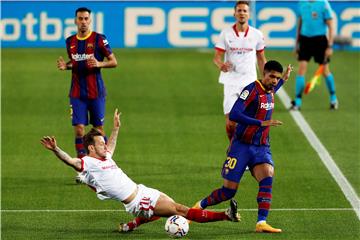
104 45
221 44
278 86
298 10
260 46
237 112
84 166
327 11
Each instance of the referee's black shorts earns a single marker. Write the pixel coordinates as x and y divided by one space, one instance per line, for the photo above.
313 47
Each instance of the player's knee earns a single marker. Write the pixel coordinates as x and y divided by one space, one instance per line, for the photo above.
228 192
263 171
79 130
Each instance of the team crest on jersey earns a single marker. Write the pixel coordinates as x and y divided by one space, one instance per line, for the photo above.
90 45
314 15
244 95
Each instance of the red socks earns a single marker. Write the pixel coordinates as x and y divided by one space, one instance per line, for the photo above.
140 220
202 216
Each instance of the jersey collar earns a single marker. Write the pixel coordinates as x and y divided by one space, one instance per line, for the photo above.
83 38
98 158
237 33
262 86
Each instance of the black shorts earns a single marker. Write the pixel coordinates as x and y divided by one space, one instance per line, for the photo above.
313 47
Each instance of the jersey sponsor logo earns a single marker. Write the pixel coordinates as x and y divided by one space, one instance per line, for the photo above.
81 57
109 166
241 49
244 94
267 106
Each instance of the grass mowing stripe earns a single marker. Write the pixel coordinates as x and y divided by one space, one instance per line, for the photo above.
324 155
122 210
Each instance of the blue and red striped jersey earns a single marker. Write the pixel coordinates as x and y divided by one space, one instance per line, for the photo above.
87 82
253 106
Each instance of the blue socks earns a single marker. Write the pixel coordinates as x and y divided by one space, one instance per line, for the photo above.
300 84
330 83
299 88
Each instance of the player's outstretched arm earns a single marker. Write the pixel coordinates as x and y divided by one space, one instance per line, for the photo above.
287 73
261 60
50 144
114 134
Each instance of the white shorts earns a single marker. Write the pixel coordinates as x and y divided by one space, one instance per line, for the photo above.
231 94
144 202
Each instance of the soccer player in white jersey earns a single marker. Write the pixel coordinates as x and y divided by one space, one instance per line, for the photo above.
103 175
236 53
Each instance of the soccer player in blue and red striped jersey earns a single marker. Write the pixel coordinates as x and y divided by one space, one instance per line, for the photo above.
250 146
86 51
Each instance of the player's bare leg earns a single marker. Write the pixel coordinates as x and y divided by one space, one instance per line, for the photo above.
300 85
330 83
166 207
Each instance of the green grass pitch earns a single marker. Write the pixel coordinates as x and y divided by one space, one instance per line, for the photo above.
173 139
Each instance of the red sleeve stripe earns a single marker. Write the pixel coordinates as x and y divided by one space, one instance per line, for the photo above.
82 165
261 50
220 49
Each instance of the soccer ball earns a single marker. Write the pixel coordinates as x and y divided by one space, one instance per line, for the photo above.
177 226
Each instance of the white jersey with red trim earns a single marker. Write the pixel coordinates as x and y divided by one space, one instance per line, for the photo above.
240 49
106 178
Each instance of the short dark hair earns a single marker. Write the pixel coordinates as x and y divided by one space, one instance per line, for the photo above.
89 138
82 9
241 2
273 65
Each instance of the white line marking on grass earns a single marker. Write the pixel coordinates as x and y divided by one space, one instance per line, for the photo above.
324 155
122 210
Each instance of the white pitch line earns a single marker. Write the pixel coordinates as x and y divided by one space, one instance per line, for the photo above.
324 155
122 210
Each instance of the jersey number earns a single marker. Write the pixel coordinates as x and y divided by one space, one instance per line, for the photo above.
231 162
